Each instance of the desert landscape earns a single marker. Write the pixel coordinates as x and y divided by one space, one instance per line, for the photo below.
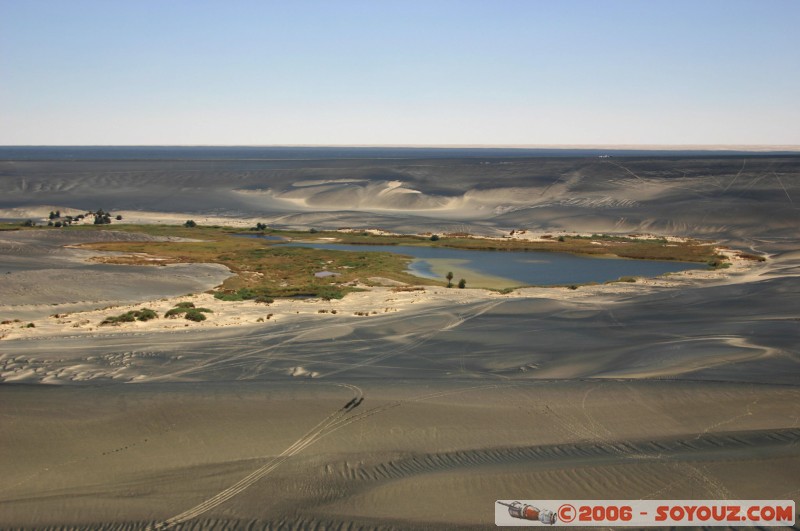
388 401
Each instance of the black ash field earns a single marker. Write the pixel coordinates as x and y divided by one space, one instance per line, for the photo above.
405 409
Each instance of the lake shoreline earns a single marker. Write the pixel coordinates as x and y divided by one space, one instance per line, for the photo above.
375 297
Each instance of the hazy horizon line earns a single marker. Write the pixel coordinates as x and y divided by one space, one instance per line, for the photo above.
664 147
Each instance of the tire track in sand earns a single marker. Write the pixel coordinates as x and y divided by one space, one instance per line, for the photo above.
310 437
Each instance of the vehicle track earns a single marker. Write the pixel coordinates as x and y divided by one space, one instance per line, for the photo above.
333 422
307 439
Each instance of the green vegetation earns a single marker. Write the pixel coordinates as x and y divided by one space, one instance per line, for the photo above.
195 315
718 262
462 283
265 270
188 310
145 314
244 294
449 278
190 224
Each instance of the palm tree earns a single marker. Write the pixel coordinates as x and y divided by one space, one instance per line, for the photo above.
449 278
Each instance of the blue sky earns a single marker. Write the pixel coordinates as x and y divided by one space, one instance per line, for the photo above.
493 72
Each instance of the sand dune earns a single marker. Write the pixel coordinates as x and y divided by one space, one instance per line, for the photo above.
357 195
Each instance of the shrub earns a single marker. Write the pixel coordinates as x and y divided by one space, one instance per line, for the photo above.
28 223
561 238
119 217
124 318
190 224
178 310
313 231
185 305
435 238
30 325
195 315
462 283
146 314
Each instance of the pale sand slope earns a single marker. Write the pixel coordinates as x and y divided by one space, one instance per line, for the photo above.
423 458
